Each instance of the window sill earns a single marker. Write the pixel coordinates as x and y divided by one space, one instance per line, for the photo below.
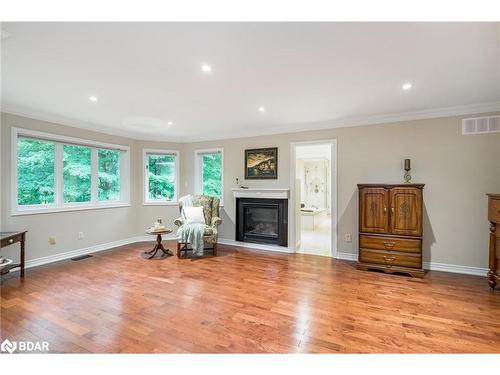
83 207
170 203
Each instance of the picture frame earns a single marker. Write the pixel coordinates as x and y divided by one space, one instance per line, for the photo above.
261 163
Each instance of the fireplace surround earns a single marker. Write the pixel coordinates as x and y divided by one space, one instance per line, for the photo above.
262 220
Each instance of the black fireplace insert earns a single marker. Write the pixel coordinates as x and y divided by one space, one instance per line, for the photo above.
261 220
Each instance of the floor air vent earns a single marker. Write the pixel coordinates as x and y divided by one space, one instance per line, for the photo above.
81 257
481 125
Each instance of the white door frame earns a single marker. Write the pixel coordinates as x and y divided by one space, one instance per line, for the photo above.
333 193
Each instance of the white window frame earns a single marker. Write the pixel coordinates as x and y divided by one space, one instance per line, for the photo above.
59 205
198 170
145 178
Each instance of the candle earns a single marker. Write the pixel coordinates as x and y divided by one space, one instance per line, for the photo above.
407 164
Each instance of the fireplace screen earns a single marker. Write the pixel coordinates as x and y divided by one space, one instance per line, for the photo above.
262 221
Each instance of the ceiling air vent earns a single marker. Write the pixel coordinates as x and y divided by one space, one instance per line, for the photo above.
481 125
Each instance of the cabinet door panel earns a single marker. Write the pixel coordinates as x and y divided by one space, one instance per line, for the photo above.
373 212
406 211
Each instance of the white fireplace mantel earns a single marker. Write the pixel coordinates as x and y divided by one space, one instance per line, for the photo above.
275 193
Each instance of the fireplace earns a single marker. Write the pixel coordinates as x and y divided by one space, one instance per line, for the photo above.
262 220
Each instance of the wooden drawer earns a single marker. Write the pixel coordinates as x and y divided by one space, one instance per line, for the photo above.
494 210
389 243
390 258
11 241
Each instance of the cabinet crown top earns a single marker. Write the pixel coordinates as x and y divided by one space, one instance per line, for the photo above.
388 186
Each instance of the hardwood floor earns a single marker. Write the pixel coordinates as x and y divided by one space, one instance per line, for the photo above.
245 301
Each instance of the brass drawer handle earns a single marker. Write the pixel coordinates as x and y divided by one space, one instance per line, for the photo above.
385 210
389 244
389 260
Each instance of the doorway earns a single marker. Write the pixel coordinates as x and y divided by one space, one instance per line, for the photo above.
313 194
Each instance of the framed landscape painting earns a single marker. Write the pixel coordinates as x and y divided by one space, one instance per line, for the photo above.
261 163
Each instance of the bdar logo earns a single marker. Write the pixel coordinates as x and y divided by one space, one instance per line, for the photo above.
8 346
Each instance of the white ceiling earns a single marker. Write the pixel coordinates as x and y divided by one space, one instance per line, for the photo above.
306 75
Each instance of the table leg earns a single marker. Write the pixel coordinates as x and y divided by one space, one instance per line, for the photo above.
22 254
158 246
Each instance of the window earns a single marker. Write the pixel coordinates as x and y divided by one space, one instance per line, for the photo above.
161 176
76 174
56 173
109 175
208 170
35 172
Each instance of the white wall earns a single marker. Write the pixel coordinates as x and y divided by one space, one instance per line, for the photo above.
457 170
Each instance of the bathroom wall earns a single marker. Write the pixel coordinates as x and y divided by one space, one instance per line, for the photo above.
314 178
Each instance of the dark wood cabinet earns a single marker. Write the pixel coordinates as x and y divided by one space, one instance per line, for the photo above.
390 228
494 259
374 203
406 211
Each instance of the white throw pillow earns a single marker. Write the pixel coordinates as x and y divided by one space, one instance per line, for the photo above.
193 215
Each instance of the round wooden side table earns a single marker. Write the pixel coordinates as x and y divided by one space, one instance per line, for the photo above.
159 245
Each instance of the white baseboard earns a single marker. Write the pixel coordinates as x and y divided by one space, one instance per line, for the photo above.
282 249
347 256
89 250
433 266
477 271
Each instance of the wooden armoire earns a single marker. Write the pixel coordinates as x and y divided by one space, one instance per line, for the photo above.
390 228
494 218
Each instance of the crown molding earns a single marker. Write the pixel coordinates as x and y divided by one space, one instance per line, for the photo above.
79 124
470 109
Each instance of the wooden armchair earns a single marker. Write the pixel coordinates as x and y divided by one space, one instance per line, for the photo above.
212 221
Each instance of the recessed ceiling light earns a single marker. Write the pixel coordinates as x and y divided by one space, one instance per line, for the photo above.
93 98
407 86
170 123
262 109
206 68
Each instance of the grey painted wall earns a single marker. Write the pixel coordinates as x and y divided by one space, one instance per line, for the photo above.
99 226
457 170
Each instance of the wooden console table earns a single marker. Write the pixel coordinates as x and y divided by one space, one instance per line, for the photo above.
10 238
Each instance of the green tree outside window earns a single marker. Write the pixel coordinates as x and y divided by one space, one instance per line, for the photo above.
212 174
35 171
161 177
109 175
76 174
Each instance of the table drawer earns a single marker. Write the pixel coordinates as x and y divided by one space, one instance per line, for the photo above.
12 240
389 258
494 210
389 243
